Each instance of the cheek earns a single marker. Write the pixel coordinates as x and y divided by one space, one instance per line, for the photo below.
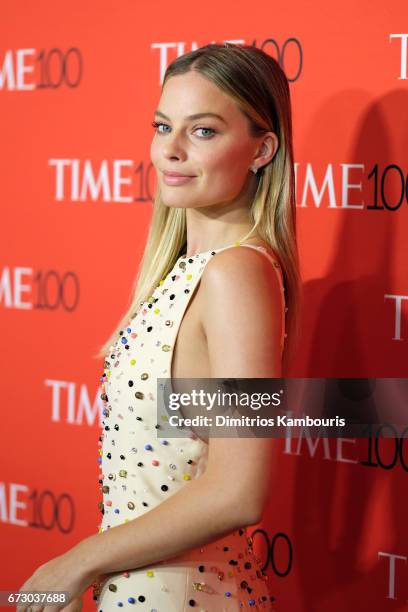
226 170
229 160
223 177
154 153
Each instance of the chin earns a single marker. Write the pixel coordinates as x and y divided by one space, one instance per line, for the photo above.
179 205
178 202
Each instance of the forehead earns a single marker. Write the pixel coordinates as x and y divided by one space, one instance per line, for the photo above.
191 93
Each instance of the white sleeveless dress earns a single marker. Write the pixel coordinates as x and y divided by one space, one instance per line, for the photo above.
140 470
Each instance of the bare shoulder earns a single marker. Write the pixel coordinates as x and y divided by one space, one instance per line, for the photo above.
241 312
241 271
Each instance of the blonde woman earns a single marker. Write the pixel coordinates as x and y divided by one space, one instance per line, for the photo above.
217 295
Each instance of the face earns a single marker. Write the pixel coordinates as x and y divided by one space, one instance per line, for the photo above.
215 152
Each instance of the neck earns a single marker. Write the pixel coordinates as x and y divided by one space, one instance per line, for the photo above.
216 226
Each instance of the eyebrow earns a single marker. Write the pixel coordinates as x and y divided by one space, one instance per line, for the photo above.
191 117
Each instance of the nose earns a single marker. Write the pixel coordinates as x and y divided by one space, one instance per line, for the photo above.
173 147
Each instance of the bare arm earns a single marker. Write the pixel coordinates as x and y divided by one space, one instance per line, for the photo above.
192 517
242 320
240 316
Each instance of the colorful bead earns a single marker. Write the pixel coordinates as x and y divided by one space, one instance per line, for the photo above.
201 586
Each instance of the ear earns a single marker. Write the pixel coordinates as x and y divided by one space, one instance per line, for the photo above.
267 149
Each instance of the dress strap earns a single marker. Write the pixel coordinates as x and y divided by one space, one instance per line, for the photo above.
259 248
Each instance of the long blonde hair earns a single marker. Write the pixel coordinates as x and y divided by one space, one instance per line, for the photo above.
260 88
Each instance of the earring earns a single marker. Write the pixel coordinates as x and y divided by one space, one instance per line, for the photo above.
254 170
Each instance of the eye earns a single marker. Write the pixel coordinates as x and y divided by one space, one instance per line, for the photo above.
157 124
208 130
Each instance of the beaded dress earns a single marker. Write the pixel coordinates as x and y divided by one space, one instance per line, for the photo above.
140 470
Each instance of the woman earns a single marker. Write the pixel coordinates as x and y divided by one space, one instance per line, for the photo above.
201 308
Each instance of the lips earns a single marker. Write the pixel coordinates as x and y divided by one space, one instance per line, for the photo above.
176 179
168 173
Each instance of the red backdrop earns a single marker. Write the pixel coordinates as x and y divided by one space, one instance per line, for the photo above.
78 86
